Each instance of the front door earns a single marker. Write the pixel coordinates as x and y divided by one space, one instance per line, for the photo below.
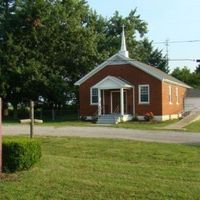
115 102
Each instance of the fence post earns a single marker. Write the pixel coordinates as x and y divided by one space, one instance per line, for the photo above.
32 118
53 113
0 135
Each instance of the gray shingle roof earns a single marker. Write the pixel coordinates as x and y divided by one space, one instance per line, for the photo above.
165 76
193 93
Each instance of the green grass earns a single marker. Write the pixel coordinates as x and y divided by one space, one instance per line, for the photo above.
69 123
76 168
130 124
145 125
71 120
195 126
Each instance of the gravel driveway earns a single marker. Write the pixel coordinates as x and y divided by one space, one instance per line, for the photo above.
107 132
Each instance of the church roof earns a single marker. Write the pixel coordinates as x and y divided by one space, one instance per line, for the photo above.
119 59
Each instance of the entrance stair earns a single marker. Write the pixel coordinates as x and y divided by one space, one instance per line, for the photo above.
109 119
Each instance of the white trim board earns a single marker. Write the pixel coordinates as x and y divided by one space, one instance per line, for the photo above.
139 94
111 82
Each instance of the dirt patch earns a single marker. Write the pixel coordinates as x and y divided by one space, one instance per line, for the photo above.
8 177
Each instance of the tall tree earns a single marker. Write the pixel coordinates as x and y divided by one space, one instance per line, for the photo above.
140 48
185 75
45 46
197 70
46 43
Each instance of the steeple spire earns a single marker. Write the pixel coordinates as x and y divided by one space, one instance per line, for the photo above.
123 51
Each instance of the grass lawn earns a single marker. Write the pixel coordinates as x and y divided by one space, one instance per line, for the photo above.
130 124
145 125
195 126
76 168
71 120
68 123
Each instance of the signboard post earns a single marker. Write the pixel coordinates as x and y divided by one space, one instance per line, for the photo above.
32 120
0 135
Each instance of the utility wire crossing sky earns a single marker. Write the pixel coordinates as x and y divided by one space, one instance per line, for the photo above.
173 25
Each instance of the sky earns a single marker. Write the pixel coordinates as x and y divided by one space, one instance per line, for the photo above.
173 20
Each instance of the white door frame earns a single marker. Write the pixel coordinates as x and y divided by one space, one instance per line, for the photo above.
133 90
111 99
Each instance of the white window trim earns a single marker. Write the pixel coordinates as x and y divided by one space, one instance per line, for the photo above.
170 94
139 96
91 103
177 95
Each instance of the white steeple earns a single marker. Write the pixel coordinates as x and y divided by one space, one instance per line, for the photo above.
123 51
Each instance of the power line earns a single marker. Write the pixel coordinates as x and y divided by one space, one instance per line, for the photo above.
184 59
168 42
173 59
177 41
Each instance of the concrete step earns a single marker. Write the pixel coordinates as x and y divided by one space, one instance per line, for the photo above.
108 119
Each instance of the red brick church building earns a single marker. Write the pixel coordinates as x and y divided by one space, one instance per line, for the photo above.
121 88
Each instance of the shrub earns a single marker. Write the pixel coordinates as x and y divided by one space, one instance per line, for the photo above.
20 154
135 118
149 116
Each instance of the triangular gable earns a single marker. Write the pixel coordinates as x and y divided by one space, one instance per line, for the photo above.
114 60
111 82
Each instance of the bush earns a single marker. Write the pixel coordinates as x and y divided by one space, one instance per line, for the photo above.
135 118
20 154
149 116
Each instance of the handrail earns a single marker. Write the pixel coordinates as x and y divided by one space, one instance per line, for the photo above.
97 111
116 110
186 113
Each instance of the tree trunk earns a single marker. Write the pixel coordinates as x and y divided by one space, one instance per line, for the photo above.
53 113
15 114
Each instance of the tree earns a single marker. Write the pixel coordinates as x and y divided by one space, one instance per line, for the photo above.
45 43
45 46
149 55
185 75
109 32
197 70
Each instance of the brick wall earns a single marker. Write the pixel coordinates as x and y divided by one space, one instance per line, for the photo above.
173 107
133 75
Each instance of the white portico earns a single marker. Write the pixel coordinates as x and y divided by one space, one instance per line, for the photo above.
112 83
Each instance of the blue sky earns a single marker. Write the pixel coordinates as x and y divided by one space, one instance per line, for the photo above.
176 20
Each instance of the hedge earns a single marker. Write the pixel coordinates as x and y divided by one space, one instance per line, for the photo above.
20 154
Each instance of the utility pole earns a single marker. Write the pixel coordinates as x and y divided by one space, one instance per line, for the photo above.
0 135
167 51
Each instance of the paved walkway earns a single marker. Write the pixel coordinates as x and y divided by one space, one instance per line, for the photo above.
107 132
192 117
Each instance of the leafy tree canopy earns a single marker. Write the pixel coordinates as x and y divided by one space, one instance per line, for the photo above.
185 75
47 45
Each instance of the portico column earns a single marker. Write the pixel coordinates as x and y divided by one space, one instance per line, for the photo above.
99 101
122 100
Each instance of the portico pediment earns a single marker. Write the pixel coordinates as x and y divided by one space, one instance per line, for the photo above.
111 82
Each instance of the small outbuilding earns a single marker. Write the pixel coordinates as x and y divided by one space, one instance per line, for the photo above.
192 100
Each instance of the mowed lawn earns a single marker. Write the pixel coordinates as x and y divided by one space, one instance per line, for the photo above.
195 126
80 168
